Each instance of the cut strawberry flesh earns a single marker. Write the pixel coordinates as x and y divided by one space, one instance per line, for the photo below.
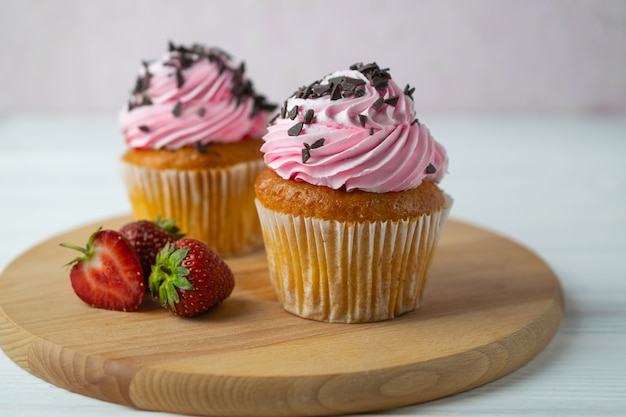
112 278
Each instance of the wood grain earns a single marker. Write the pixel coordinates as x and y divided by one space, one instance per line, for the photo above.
490 306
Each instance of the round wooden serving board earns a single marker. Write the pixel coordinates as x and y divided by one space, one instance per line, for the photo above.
490 307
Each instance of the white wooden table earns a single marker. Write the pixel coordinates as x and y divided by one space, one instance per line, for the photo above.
556 185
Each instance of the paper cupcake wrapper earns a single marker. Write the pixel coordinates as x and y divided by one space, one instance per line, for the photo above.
215 206
349 272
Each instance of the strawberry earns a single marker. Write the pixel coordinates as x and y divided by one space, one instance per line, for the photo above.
189 278
109 274
148 238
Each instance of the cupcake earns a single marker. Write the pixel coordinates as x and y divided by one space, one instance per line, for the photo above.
193 127
349 202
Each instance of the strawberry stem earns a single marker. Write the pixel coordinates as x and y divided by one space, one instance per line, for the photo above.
169 225
87 251
168 275
75 247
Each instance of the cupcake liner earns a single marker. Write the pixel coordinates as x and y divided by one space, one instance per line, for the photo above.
215 206
349 272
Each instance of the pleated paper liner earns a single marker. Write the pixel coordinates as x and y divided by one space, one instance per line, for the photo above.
212 205
349 272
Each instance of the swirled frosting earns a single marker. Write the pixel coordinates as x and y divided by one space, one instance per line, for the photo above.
190 97
354 130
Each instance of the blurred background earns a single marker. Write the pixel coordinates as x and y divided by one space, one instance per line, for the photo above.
463 56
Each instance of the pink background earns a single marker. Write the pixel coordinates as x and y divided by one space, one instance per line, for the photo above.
471 56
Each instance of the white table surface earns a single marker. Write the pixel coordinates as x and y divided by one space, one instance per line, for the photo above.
556 185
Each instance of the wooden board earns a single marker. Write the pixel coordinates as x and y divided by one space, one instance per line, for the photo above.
490 306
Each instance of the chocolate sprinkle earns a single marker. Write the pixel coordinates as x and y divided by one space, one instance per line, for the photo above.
380 82
345 87
318 143
357 82
430 169
201 111
180 80
409 91
293 112
415 121
308 116
283 110
138 85
306 155
392 101
202 148
371 131
364 68
144 128
306 152
177 109
183 57
378 103
295 129
143 82
336 93
362 119
320 90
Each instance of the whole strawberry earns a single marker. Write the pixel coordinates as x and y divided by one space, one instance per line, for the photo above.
148 238
189 278
108 275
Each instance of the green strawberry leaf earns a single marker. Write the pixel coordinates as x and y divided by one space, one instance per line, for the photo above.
168 275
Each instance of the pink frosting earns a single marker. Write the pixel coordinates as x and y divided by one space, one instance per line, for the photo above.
192 96
355 139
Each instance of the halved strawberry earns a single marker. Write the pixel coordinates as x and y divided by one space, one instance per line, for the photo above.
148 238
109 274
189 278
